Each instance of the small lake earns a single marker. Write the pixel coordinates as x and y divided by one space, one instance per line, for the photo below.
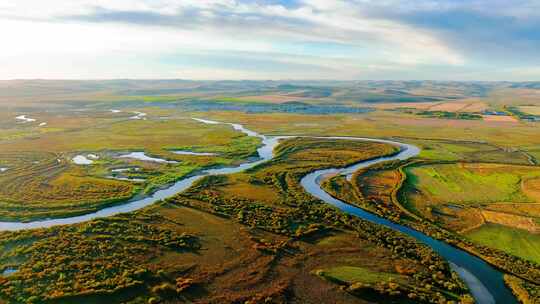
9 271
23 118
138 115
130 169
181 152
82 160
142 156
127 179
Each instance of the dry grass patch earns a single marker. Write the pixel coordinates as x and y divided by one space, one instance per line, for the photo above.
449 107
533 110
245 190
531 187
518 209
500 118
512 220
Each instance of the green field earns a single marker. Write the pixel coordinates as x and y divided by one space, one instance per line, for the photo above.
448 150
469 183
514 241
351 274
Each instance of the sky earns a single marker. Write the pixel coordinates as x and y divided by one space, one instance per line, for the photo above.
271 39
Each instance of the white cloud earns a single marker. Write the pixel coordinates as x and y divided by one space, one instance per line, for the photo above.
40 37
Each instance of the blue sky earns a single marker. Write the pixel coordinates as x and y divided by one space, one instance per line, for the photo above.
271 39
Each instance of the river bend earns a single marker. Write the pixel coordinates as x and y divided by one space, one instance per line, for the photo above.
484 281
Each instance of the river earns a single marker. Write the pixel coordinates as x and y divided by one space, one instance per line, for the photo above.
485 282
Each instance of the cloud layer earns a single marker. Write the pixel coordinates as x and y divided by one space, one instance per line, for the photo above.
271 39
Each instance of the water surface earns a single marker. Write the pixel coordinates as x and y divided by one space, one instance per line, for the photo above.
82 160
182 152
142 156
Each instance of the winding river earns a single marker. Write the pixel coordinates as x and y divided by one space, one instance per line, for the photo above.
484 281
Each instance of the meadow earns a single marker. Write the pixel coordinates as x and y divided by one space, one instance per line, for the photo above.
470 183
515 241
47 183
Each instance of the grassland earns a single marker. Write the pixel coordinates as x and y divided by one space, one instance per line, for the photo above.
463 196
469 151
42 185
515 241
351 274
470 183
218 243
533 110
46 183
389 124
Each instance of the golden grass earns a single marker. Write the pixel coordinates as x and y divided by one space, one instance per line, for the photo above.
500 118
449 107
43 185
531 187
126 135
518 209
533 110
388 124
511 220
243 189
475 107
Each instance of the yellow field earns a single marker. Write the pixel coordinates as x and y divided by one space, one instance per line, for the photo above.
533 110
387 124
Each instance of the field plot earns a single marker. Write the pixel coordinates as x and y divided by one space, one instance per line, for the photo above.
518 242
533 110
449 150
464 196
388 124
500 118
449 107
470 183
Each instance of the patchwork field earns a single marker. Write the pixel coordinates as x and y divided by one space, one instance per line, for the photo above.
493 205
